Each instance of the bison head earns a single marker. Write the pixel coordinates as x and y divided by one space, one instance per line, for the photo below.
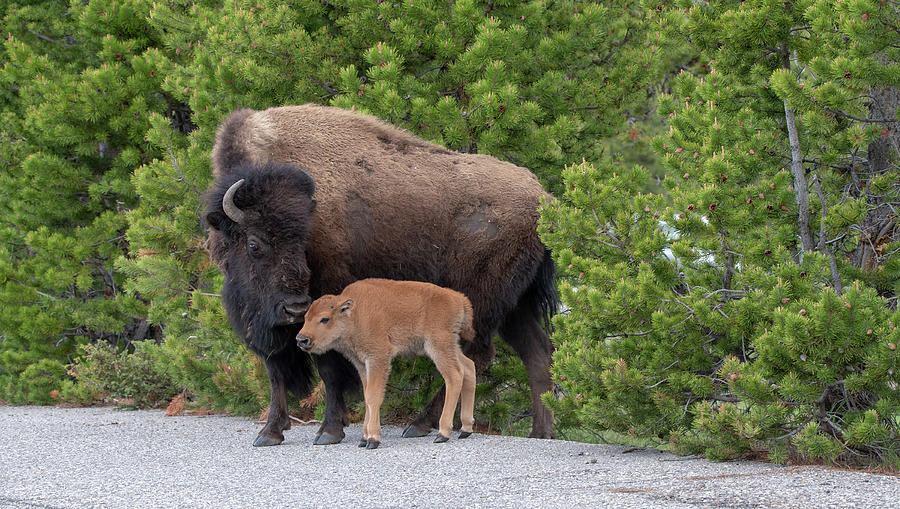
259 219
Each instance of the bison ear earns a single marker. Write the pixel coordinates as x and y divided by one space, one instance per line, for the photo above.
312 205
346 307
217 220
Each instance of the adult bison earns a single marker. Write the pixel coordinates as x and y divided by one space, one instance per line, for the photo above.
308 199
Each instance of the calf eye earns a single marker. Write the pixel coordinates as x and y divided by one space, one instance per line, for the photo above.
324 320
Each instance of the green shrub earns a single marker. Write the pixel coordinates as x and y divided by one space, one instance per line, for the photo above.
655 348
126 379
38 383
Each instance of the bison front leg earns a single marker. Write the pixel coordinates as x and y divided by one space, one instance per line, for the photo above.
278 419
338 375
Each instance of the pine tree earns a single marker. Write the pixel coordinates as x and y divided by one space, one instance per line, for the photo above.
755 325
75 106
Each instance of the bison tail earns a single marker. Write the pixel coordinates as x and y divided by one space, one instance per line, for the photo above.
543 293
467 333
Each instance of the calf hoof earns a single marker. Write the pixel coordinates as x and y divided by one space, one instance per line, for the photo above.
363 443
440 439
327 438
415 431
372 444
465 434
265 441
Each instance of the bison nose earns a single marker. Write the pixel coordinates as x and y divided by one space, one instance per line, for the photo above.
303 342
295 307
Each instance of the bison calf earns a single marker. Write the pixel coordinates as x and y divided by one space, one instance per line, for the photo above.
374 320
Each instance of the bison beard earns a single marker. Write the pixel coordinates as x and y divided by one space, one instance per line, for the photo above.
388 205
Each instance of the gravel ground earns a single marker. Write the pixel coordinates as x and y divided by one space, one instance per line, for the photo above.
100 457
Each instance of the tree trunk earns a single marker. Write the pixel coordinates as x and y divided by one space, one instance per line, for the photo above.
801 189
879 225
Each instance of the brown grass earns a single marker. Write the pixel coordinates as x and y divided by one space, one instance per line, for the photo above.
176 406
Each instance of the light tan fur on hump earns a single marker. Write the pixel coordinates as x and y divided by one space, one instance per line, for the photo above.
261 136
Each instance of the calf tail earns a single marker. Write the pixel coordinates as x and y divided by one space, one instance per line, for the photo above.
467 333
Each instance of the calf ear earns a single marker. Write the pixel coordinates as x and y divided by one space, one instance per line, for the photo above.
346 306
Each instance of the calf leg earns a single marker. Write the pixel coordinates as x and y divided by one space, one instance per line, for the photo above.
524 332
377 372
338 376
467 397
444 356
481 352
278 419
365 436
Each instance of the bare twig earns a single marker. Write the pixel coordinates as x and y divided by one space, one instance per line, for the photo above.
832 261
50 39
301 421
858 119
624 334
181 177
734 294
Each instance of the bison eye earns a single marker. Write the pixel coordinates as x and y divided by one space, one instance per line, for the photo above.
253 247
324 320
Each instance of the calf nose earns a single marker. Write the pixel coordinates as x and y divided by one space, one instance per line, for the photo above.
295 307
303 342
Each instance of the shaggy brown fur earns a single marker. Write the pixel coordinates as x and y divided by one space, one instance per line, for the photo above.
389 205
373 180
374 320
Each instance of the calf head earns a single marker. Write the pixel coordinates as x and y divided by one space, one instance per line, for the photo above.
259 220
328 318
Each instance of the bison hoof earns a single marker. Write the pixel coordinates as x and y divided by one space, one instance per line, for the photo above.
265 441
363 442
465 434
440 439
415 431
542 434
372 444
327 438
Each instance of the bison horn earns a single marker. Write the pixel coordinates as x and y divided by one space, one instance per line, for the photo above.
232 210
